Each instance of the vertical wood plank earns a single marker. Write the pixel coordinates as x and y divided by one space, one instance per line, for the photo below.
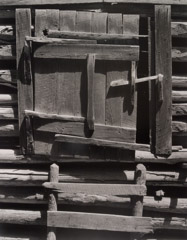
46 70
25 88
163 66
130 26
66 74
114 71
40 22
52 200
90 83
99 25
83 24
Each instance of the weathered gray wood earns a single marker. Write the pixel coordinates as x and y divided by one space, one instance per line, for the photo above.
60 2
179 29
99 142
91 88
8 76
7 35
140 178
52 199
40 22
54 116
102 52
25 87
179 109
95 221
78 129
9 130
7 52
103 189
113 106
99 26
92 35
38 218
179 54
8 99
179 96
163 58
8 113
179 82
179 126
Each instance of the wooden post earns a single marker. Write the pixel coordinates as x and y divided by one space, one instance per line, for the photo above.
163 65
140 178
52 201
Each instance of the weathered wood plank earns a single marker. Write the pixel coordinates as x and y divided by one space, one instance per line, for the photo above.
8 113
90 85
99 26
103 189
25 87
99 142
179 54
163 66
6 3
99 222
102 52
78 129
40 22
7 52
179 109
7 35
179 82
8 99
93 36
179 126
9 130
66 75
179 96
179 29
52 199
113 111
8 76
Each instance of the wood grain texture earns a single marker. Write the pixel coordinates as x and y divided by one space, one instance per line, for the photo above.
74 51
103 143
9 130
78 129
179 29
179 126
7 52
57 2
8 76
8 99
179 109
179 82
95 221
179 54
99 25
7 35
163 66
179 96
98 189
8 113
25 88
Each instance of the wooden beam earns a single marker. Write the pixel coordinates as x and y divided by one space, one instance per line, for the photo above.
97 222
101 51
8 76
179 109
179 96
179 54
179 82
152 2
25 87
163 143
7 52
8 113
111 133
98 189
8 99
102 143
92 36
179 127
179 29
